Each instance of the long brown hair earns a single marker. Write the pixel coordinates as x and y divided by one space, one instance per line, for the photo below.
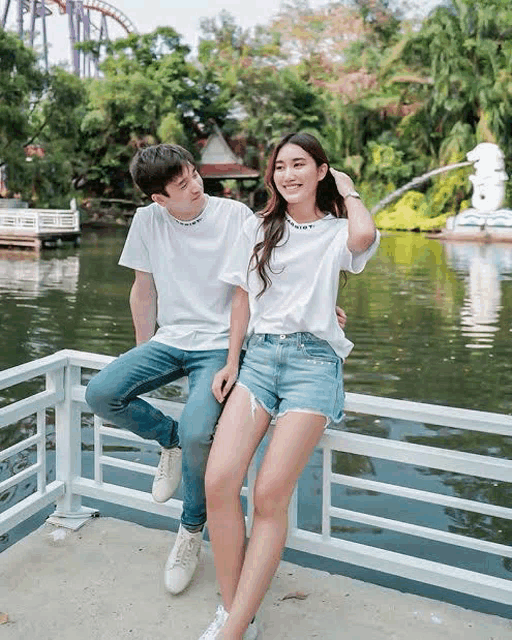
328 199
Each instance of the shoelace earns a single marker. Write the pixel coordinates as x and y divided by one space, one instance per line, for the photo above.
160 472
163 467
184 552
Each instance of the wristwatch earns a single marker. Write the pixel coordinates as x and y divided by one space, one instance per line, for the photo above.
352 194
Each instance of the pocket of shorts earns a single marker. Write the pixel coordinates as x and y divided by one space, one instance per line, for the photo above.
256 350
320 351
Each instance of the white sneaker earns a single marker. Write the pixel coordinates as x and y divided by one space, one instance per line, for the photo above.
182 561
252 631
221 615
168 474
219 621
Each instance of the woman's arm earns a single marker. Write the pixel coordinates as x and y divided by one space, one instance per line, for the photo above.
361 227
226 377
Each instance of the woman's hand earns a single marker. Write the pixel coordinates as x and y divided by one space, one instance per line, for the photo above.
361 226
344 183
224 381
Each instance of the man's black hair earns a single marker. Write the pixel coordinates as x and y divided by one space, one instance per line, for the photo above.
152 168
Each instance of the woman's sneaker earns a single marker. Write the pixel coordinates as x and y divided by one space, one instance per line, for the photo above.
252 631
221 615
168 474
182 561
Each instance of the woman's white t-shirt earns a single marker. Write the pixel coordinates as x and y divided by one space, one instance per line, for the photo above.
304 270
185 259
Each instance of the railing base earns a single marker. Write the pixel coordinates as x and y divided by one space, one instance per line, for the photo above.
72 520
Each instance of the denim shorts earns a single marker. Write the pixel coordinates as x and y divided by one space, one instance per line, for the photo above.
294 372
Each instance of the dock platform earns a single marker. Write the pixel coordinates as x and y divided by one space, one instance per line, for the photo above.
105 582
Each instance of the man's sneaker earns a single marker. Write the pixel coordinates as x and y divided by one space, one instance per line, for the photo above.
219 621
221 615
182 560
168 474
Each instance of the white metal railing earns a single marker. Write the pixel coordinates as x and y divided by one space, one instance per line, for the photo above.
39 220
65 393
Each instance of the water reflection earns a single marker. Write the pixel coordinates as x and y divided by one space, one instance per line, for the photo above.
39 301
28 276
484 266
407 313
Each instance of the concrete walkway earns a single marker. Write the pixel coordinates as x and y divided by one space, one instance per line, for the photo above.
104 582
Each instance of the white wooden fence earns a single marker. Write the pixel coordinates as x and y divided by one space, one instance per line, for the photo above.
39 220
64 393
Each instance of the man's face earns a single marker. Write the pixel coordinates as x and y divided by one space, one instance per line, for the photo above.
185 195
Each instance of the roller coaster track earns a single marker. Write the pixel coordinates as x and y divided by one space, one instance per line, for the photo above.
105 9
81 26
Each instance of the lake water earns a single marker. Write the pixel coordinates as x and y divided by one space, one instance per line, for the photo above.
431 322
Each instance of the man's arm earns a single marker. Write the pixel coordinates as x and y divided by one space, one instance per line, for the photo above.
143 306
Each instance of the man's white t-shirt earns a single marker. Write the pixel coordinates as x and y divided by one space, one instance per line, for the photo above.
185 259
304 270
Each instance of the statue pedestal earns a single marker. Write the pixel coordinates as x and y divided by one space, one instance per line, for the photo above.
473 222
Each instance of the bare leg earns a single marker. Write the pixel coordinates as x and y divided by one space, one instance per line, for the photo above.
295 436
238 434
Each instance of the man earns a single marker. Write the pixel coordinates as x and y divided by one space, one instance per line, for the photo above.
177 247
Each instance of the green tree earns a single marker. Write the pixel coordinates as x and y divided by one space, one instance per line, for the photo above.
264 98
149 93
466 47
43 111
21 87
58 120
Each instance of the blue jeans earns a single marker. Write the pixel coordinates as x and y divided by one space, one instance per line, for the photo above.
113 395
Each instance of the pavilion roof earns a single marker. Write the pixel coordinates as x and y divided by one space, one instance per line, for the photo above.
219 161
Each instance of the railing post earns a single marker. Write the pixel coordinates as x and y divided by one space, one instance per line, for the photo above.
69 511
326 492
252 472
293 514
41 451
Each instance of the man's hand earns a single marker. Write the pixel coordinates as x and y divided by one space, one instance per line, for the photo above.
224 381
341 317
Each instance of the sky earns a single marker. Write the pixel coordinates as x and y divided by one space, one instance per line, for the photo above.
182 15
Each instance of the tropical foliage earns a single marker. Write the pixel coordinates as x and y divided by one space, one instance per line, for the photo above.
390 94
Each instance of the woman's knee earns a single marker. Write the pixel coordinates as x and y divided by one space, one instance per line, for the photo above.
270 500
220 486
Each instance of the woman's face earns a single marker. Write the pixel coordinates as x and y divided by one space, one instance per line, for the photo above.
296 174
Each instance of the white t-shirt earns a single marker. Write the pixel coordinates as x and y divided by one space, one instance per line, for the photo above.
185 259
305 269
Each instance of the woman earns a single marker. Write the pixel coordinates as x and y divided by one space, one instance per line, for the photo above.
286 267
